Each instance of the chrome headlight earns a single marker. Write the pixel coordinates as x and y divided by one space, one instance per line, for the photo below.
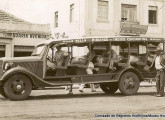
8 66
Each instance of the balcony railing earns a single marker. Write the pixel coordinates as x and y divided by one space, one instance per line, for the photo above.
132 28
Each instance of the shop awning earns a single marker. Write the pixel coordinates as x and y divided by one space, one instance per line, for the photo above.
18 48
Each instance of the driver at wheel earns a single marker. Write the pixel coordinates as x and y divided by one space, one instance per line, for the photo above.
58 59
59 56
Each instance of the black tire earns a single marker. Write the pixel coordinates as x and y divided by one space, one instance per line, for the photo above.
2 92
17 87
129 83
109 88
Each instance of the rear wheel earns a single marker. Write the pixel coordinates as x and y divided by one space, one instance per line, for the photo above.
18 87
109 88
129 83
2 92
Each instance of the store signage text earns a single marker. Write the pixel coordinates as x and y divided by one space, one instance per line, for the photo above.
24 35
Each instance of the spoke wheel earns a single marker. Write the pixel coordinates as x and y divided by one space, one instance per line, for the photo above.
2 92
18 87
129 83
109 88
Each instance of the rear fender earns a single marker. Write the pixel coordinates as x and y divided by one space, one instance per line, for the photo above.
122 71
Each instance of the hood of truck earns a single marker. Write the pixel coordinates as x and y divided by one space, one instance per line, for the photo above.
29 63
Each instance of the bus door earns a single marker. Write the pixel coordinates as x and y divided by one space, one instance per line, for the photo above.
81 56
102 58
123 51
58 67
138 54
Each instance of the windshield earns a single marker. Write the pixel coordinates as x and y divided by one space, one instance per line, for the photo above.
38 50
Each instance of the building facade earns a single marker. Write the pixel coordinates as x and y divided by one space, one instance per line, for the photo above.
78 18
18 37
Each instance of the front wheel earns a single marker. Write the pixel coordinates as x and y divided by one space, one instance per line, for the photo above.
17 87
109 88
129 83
2 92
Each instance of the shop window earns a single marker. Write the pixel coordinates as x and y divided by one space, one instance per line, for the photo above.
128 13
56 19
71 13
102 14
152 15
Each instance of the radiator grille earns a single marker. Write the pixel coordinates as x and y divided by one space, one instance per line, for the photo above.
1 68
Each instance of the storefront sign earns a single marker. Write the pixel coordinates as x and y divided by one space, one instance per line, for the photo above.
24 35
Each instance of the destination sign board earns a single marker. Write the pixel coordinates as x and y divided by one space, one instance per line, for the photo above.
138 39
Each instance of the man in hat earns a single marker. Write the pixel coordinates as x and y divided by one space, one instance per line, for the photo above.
159 65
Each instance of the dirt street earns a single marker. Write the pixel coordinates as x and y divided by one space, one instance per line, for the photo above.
55 104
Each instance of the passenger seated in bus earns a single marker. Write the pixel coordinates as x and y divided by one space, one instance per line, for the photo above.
104 58
150 62
133 59
113 58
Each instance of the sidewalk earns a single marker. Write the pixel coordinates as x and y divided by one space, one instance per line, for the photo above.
147 84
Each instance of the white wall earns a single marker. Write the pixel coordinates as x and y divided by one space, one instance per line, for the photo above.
86 23
94 27
72 29
112 26
155 30
23 27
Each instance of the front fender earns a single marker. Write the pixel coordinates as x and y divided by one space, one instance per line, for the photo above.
130 69
36 81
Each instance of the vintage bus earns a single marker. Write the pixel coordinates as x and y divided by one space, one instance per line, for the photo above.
121 62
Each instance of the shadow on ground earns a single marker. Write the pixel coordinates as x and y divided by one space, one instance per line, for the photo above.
65 96
83 95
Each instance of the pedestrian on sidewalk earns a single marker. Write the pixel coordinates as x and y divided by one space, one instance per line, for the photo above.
160 66
89 71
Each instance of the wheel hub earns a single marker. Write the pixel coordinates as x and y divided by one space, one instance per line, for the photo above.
130 83
18 86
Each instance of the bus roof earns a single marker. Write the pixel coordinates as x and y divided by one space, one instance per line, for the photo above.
102 39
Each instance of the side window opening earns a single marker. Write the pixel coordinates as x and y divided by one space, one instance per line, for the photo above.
79 54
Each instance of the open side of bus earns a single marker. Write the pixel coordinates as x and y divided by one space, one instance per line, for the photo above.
119 64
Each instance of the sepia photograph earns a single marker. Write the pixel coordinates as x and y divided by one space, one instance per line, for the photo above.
82 59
